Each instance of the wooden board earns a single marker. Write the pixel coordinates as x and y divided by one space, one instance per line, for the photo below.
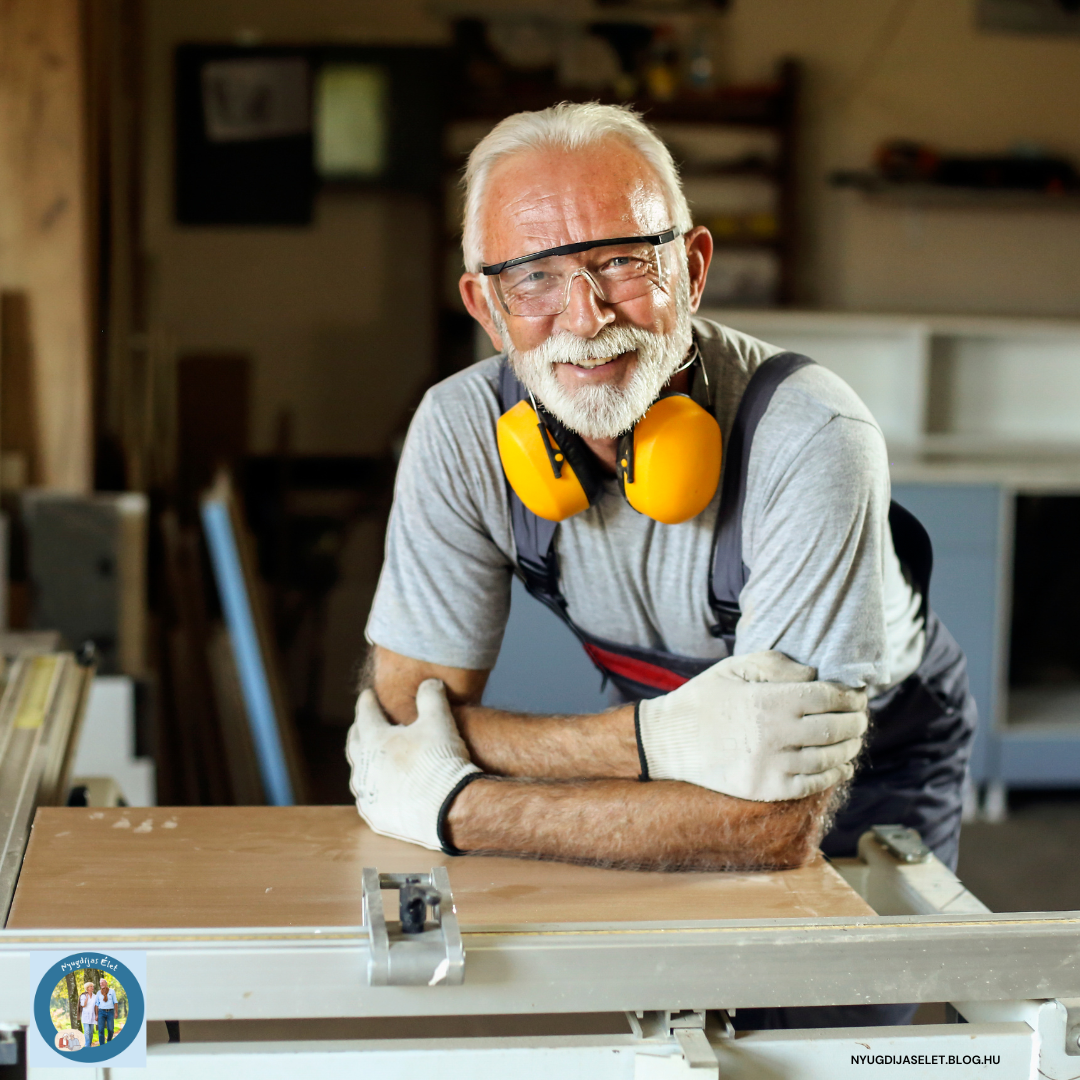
300 866
44 224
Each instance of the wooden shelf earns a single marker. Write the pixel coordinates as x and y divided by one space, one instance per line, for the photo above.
697 171
736 243
945 196
758 106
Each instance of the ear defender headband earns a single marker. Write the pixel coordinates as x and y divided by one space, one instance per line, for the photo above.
668 465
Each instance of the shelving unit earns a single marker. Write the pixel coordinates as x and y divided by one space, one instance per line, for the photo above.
738 151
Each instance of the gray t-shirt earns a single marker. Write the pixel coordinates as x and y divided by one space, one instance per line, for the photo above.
824 587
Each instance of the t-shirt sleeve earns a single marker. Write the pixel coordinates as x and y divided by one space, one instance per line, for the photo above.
815 549
444 591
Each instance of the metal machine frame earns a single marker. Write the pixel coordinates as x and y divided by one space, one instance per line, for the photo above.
1015 979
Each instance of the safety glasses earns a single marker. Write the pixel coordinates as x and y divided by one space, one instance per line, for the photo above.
620 269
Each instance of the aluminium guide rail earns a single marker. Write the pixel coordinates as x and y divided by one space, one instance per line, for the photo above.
594 967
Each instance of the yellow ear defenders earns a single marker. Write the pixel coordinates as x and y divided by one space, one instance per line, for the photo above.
668 464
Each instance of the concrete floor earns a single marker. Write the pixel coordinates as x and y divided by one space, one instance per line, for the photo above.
1031 861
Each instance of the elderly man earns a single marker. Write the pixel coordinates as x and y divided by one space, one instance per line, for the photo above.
582 459
105 1003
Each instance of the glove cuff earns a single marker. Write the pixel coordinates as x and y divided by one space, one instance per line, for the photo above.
668 737
643 761
444 810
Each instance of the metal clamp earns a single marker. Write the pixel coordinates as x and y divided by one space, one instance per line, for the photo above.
906 844
687 1028
413 951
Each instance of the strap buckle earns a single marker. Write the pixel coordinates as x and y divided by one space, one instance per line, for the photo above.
727 617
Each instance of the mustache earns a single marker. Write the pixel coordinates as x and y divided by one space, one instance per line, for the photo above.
563 347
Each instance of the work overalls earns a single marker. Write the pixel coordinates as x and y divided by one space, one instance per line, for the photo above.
914 763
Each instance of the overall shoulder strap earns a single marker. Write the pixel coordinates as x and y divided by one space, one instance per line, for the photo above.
534 537
729 572
510 389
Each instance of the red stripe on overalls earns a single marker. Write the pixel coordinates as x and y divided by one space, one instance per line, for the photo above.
640 671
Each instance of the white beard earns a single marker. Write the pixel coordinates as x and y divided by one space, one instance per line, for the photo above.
599 411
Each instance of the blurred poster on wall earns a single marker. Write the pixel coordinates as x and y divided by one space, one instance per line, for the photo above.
255 99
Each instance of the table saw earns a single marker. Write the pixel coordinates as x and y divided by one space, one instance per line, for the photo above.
289 942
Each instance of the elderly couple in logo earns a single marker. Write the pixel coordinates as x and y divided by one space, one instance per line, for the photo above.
97 1008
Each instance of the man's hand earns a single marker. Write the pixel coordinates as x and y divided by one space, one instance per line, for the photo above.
401 776
755 727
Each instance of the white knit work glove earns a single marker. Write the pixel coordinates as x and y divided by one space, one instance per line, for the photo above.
756 727
403 774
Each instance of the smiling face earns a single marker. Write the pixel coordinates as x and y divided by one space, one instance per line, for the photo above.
597 366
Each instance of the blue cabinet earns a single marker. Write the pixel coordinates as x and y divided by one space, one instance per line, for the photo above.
967 525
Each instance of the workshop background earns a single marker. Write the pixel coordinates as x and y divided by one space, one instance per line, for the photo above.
228 264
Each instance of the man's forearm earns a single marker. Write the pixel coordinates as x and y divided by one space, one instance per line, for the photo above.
663 825
551 747
507 743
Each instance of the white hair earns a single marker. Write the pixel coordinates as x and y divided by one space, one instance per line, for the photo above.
566 126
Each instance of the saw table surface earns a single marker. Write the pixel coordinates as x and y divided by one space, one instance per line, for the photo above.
300 866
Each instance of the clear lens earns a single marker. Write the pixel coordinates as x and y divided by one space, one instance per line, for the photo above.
542 286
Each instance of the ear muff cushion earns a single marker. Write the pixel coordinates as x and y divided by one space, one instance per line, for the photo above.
528 467
676 460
